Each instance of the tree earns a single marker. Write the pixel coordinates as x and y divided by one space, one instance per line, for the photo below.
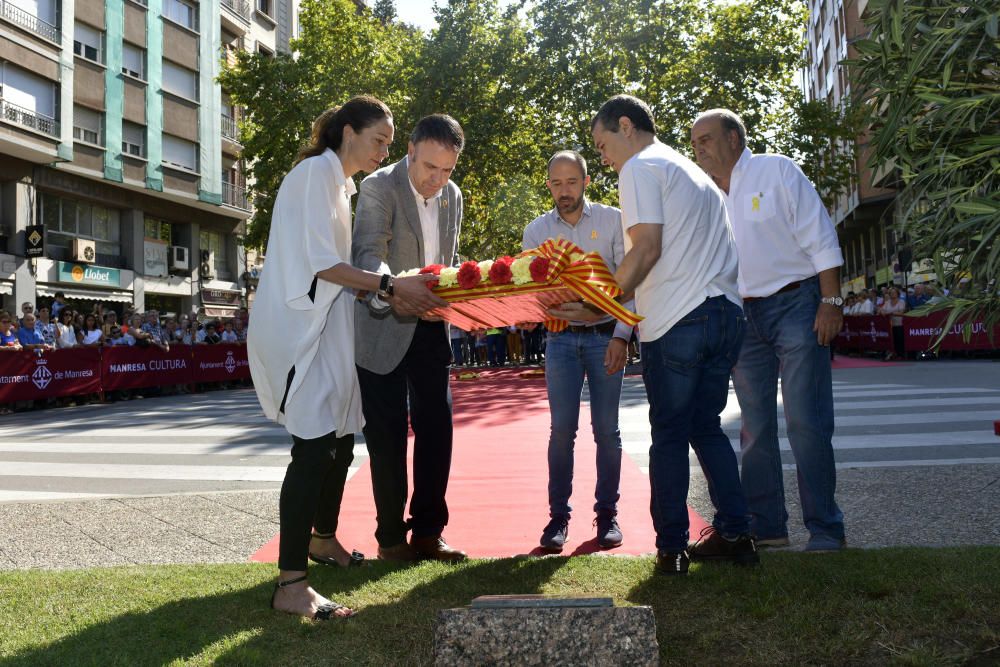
929 81
384 11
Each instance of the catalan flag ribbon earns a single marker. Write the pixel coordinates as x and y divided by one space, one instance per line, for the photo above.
586 275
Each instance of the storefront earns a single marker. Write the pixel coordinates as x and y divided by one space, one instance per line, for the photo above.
84 285
219 303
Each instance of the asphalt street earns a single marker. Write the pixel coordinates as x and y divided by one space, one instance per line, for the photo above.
195 478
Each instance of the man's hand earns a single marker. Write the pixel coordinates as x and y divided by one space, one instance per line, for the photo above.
412 297
829 321
616 356
577 312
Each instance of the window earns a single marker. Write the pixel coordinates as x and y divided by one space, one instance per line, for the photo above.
133 139
87 42
264 51
180 80
87 125
179 152
134 61
216 242
67 219
264 7
27 90
158 230
181 11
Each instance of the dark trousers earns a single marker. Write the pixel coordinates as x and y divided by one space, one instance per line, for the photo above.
422 377
311 494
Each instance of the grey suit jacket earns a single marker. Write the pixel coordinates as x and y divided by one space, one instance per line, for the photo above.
387 229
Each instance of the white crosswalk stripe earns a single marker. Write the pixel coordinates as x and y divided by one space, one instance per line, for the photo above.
888 425
189 444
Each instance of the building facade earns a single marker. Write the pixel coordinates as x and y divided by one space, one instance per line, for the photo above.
864 215
120 173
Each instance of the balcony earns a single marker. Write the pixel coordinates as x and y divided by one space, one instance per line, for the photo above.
30 22
239 8
234 195
27 118
230 129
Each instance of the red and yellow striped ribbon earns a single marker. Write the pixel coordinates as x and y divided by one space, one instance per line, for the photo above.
586 275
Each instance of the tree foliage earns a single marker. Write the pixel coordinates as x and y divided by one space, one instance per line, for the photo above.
524 81
930 85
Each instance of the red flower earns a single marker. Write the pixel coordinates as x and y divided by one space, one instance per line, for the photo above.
500 273
436 270
539 269
468 275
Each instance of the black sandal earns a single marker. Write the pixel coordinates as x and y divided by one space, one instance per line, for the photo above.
325 611
357 558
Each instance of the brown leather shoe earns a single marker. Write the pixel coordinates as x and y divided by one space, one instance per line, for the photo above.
401 553
435 548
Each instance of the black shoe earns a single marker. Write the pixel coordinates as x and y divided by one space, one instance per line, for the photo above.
555 534
672 562
609 535
712 546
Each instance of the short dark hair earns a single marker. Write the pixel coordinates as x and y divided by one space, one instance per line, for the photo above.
441 128
570 156
628 106
59 295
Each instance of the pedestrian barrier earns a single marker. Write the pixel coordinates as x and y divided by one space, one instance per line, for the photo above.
27 375
873 333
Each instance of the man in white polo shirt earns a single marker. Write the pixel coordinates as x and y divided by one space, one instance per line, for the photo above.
790 283
680 261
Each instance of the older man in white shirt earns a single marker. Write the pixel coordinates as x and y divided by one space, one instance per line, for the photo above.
789 279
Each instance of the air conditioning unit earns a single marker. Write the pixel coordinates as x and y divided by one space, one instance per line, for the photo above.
207 267
84 250
179 258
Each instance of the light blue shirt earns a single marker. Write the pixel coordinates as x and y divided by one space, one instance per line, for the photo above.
598 230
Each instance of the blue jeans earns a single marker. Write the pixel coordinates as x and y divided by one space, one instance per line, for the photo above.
569 356
780 342
456 351
686 372
496 349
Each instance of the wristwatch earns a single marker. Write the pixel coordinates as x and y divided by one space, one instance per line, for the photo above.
385 285
833 300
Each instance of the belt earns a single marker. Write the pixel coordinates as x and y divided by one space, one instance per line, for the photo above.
602 328
787 288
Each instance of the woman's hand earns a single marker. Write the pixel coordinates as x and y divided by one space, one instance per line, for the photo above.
411 296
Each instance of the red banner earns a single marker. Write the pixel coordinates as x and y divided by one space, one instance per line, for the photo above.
919 333
220 363
124 367
25 375
865 332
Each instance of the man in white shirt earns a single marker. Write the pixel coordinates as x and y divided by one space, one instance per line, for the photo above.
408 216
789 279
592 350
680 261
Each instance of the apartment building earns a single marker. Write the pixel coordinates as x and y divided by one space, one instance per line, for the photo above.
864 215
120 173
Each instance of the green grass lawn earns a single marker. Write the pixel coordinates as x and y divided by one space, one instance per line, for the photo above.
892 606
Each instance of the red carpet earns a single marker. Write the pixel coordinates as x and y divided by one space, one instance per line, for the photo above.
841 362
497 495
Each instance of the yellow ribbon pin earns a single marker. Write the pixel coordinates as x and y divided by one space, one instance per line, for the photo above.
755 203
593 234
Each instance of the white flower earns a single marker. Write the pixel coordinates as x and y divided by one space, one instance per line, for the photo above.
449 276
521 268
411 272
484 268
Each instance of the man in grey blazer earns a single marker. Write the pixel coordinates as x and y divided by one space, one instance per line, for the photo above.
408 216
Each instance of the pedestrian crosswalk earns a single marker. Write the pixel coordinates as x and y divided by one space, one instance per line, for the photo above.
177 444
876 425
220 441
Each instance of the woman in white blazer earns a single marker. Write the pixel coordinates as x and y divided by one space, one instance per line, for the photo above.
300 341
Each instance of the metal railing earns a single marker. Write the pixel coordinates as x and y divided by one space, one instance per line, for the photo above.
230 129
235 196
30 22
239 7
27 118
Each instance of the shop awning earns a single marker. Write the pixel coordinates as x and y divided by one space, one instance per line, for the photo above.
87 294
6 288
220 311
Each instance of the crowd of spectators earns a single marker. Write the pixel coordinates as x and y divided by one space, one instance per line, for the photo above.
59 325
891 300
507 346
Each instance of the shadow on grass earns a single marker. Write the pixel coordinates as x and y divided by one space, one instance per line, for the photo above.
398 608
